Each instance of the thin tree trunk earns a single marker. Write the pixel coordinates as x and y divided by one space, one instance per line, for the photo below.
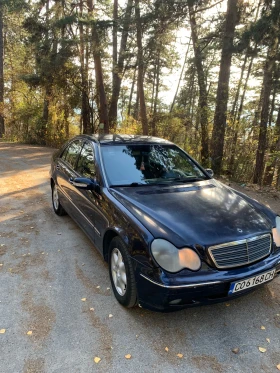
156 95
180 79
131 92
235 113
119 65
45 117
272 104
153 91
140 61
103 109
267 86
275 147
114 99
203 104
237 94
220 117
102 99
136 105
85 114
2 122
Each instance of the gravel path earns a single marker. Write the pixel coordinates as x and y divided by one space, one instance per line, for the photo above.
57 311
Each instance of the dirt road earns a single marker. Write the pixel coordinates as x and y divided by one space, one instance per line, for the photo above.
57 311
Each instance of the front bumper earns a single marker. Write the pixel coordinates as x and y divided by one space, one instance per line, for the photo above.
159 293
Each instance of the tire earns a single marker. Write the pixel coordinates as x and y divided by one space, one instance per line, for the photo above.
58 209
122 274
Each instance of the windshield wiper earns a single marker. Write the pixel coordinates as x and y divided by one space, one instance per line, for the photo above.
187 179
134 184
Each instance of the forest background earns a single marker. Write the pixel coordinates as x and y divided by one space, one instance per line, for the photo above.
116 66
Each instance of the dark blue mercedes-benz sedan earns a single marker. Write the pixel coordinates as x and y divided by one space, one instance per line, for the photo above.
173 236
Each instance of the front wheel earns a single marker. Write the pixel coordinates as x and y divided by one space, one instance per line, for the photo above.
122 274
58 209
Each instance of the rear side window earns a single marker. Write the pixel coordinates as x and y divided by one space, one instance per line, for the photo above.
72 152
86 162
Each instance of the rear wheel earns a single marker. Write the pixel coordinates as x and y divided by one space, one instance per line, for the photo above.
58 209
122 274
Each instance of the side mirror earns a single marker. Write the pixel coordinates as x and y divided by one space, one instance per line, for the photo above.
85 183
210 172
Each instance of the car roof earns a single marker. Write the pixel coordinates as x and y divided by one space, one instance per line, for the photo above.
115 139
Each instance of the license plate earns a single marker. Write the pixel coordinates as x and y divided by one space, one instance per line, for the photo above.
251 282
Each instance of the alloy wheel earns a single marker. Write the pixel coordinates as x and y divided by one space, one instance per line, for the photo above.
55 198
118 271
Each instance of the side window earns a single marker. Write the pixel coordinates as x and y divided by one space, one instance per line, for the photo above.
86 164
71 153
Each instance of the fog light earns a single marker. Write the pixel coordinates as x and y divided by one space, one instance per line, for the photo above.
175 301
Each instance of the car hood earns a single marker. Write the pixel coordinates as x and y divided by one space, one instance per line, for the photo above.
202 213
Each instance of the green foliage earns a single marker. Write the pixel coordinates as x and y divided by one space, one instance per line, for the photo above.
49 67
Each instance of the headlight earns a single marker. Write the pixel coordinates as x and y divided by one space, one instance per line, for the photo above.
172 259
276 231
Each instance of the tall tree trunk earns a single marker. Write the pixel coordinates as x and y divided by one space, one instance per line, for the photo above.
275 147
157 81
118 66
272 107
103 107
203 104
237 115
85 114
115 76
131 92
102 98
233 114
45 117
140 62
267 86
181 76
220 117
153 91
233 111
2 122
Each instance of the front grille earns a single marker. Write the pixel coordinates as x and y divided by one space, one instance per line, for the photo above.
239 253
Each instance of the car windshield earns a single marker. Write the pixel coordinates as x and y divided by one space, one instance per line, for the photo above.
133 165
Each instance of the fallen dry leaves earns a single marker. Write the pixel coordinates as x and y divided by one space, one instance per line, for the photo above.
180 355
268 340
110 315
262 349
29 332
235 350
2 331
128 356
166 349
262 327
278 366
83 299
97 359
